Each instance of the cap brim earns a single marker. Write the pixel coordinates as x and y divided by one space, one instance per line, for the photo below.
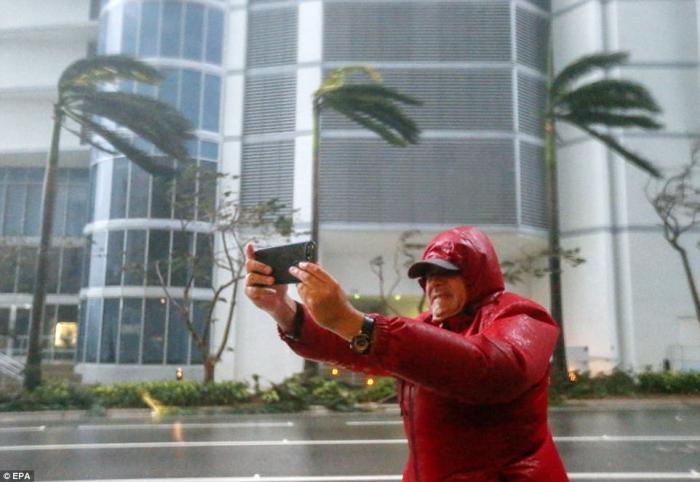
418 270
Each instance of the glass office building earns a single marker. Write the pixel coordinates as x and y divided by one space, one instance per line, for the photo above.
135 219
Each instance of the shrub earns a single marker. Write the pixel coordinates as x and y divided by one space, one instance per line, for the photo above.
383 390
670 382
618 383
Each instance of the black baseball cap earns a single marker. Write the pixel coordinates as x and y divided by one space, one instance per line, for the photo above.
418 269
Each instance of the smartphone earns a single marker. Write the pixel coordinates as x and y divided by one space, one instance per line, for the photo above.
281 258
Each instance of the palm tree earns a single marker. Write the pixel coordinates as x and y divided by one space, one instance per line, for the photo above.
371 105
593 107
84 104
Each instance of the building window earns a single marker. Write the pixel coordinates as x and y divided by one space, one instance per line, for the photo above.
130 330
108 335
154 331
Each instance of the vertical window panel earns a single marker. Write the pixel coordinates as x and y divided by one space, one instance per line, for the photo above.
77 210
204 261
85 271
134 261
8 269
130 28
92 192
49 321
92 334
108 337
82 325
148 43
102 36
199 313
189 98
2 203
114 30
98 258
14 209
185 197
177 337
171 32
60 210
130 332
70 271
215 36
4 322
27 269
154 332
22 317
120 182
207 191
21 334
32 211
168 88
181 258
161 197
212 100
210 150
52 274
138 192
103 183
158 250
115 255
194 31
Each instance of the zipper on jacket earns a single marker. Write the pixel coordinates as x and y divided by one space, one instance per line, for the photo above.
411 421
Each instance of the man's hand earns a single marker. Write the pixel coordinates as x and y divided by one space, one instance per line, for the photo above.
326 300
269 297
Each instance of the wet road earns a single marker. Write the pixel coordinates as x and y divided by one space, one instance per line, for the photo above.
659 445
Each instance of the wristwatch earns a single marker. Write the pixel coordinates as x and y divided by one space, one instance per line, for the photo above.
361 342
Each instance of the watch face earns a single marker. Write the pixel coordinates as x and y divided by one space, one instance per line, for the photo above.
360 343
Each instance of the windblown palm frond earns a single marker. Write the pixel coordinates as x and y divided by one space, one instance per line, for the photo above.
604 104
586 65
372 105
83 100
91 71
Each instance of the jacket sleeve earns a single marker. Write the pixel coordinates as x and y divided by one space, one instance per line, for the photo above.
316 343
494 366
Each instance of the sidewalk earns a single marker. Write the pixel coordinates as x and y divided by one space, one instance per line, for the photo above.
602 404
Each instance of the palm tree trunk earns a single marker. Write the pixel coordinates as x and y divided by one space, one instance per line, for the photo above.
311 367
689 275
560 369
315 170
32 374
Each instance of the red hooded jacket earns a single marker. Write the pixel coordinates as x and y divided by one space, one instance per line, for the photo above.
473 390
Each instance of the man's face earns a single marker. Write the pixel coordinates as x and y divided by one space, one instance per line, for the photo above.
447 293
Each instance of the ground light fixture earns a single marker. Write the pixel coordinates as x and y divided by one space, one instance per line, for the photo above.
179 374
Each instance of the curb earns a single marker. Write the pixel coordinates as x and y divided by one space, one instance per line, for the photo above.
607 404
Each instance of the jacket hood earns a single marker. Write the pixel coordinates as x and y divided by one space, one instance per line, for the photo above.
472 251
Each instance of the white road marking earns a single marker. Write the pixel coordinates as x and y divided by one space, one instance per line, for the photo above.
629 438
692 475
287 442
167 426
222 443
257 478
354 423
40 428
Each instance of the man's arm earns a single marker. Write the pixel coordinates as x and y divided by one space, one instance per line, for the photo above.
494 366
297 327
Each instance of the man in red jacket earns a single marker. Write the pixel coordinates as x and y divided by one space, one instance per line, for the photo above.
472 372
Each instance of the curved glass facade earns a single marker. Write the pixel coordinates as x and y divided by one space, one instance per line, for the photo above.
136 220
